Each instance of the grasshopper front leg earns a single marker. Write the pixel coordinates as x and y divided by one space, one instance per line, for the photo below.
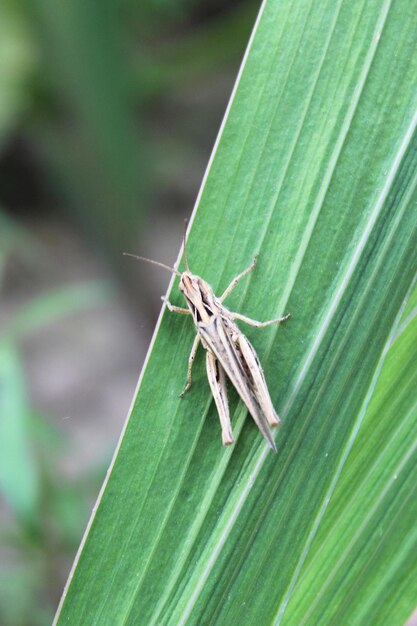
175 309
178 309
190 364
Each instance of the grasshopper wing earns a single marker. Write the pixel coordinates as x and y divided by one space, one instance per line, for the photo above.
257 379
217 338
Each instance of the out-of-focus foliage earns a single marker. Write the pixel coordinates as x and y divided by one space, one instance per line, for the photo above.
45 511
97 72
17 61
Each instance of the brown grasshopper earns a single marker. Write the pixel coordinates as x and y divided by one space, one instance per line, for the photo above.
229 354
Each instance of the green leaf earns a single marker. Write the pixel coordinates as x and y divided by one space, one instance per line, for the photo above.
362 560
315 168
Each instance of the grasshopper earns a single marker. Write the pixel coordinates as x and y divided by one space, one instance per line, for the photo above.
229 354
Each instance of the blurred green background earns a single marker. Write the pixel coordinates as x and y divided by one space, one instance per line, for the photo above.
108 113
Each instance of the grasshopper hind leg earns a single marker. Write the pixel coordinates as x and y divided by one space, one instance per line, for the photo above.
217 380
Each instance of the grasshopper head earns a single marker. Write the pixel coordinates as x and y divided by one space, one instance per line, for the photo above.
195 291
190 287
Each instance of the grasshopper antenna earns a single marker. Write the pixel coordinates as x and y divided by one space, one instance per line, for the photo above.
142 258
185 245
